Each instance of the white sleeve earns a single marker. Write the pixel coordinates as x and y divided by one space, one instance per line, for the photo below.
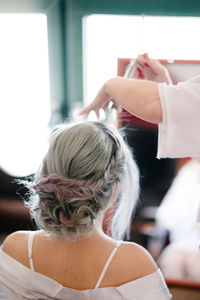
179 132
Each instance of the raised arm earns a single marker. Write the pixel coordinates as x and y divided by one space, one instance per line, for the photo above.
139 97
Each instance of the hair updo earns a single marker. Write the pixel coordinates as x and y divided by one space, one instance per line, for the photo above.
77 180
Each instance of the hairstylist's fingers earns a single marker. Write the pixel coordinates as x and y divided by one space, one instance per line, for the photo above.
155 64
105 106
146 56
95 106
140 60
143 61
100 100
146 61
116 104
159 71
97 113
86 110
112 103
140 73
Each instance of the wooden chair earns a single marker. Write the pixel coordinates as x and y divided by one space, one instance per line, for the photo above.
184 290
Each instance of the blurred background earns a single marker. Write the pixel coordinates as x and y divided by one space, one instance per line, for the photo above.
54 56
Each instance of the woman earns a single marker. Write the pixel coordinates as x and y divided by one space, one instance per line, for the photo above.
87 170
175 108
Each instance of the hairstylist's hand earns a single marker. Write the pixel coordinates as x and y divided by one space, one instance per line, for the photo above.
102 100
151 69
140 97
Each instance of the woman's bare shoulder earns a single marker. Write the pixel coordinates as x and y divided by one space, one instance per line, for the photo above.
16 244
136 260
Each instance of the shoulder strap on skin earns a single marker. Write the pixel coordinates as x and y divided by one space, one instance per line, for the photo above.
107 264
30 246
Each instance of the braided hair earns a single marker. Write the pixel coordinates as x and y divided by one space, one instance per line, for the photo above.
77 179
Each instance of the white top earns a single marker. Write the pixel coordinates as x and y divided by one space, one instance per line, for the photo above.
179 133
20 282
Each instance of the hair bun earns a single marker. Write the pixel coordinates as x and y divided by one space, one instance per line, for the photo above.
82 219
69 202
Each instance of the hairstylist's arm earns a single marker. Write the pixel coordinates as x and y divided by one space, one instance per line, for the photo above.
139 97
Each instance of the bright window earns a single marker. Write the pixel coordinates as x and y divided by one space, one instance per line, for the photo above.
24 92
108 37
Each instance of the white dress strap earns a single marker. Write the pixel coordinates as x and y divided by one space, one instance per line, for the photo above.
30 246
107 264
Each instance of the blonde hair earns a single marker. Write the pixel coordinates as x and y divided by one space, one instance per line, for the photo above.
77 180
